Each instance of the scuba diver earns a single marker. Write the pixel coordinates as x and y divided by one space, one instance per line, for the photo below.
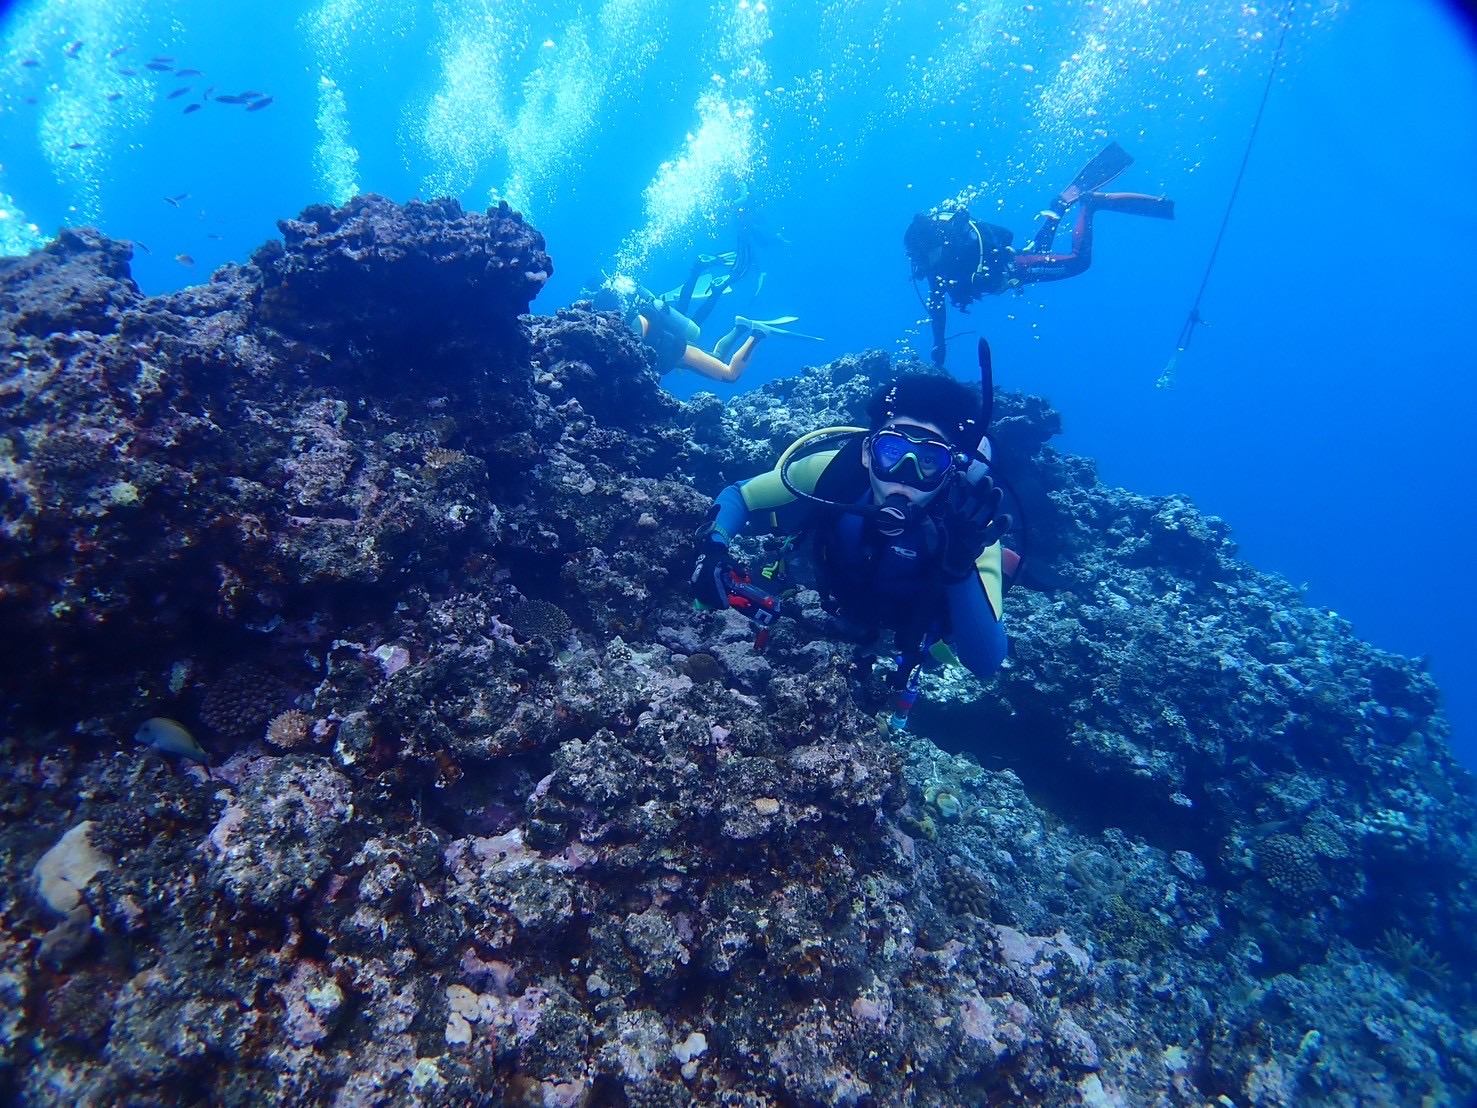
665 325
906 525
963 259
754 239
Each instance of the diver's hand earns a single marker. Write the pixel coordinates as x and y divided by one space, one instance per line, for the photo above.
973 521
710 574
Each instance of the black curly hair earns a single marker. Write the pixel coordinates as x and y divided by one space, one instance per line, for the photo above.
924 234
933 398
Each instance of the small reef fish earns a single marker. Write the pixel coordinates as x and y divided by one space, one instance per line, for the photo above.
163 58
78 146
258 105
30 63
184 259
72 48
113 53
177 93
169 737
115 96
211 235
187 73
129 72
206 94
191 108
144 248
174 200
231 99
160 67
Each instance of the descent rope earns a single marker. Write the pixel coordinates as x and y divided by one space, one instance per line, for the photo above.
1187 332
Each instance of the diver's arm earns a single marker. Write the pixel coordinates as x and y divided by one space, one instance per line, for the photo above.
712 570
766 494
734 507
938 316
978 635
731 514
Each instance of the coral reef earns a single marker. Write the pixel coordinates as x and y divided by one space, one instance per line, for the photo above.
494 816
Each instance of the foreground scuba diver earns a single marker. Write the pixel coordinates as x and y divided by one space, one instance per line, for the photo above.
965 260
906 523
664 325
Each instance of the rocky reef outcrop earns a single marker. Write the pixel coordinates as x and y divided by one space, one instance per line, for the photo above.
493 816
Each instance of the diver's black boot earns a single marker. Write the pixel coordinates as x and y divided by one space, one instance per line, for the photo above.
1131 203
1045 234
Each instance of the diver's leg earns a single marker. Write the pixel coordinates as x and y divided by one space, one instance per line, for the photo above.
1106 165
724 346
684 298
700 361
1132 203
743 256
716 289
1058 267
1045 234
740 361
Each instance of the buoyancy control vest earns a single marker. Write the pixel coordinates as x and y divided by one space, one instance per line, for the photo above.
878 579
976 259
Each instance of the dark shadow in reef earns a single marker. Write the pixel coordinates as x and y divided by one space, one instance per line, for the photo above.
1037 750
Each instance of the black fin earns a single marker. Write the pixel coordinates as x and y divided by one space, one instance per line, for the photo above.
1107 164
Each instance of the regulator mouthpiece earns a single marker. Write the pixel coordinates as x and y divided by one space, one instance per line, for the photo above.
893 515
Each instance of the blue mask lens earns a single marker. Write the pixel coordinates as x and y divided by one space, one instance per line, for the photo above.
923 464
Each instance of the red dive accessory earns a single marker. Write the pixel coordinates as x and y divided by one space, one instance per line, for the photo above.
760 607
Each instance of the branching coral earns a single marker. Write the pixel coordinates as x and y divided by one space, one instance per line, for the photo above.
1413 960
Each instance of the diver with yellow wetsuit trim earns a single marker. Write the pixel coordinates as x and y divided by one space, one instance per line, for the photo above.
675 336
905 520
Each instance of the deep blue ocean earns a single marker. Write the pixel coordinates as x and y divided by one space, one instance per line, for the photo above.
1323 409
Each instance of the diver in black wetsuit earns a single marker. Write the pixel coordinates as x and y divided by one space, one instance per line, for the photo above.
964 260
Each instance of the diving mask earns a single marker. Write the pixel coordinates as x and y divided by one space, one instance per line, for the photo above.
921 464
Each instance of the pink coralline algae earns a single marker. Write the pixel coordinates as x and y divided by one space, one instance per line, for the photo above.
276 838
313 1003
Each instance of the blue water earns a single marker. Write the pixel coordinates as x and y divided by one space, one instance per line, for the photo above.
1324 410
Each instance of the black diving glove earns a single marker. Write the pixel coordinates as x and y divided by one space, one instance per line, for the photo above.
710 574
972 522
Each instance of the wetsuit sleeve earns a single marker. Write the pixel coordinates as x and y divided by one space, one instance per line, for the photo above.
978 634
766 494
732 515
938 317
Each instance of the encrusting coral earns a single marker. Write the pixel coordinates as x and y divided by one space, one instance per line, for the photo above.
524 827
